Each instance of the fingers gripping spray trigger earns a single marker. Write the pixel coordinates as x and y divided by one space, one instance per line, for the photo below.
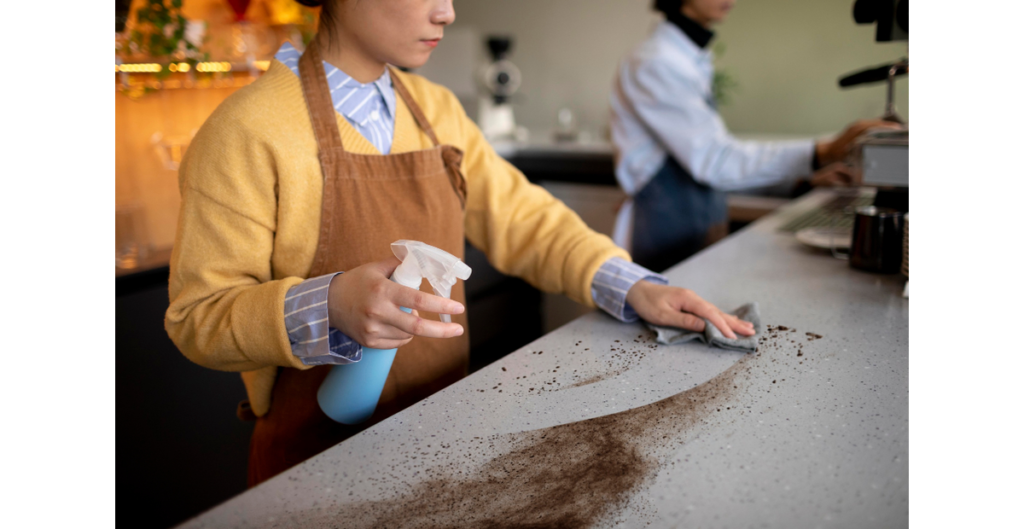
350 392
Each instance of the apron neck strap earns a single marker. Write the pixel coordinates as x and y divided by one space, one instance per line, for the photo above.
417 112
318 99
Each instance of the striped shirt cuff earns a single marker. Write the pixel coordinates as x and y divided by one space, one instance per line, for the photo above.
305 316
613 280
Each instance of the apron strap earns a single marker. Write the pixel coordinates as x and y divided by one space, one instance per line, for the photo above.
417 113
321 108
318 99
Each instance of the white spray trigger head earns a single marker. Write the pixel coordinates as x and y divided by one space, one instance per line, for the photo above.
437 266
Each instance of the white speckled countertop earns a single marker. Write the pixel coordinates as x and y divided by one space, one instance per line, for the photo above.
594 425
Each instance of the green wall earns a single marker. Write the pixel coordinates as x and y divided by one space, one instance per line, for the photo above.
786 56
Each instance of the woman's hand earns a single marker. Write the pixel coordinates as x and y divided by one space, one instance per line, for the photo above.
838 174
679 307
364 304
835 150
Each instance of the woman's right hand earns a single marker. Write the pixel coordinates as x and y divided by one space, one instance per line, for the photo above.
363 303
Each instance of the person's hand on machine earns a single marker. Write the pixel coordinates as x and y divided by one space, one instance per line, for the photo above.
364 304
679 307
838 174
835 149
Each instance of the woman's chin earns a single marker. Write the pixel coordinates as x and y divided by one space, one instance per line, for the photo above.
412 61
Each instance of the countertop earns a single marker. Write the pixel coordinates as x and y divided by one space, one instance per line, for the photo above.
596 425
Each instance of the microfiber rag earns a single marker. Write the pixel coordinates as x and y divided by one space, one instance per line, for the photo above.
713 336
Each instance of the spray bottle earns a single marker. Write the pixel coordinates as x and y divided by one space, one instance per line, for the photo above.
350 392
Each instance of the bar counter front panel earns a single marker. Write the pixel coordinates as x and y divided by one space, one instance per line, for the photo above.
596 425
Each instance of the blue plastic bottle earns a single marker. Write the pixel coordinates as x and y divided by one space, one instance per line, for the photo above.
350 392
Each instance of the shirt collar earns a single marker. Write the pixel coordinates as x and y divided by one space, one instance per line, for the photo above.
342 87
675 36
387 90
697 33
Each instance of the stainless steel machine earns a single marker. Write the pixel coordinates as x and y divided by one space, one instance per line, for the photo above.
884 156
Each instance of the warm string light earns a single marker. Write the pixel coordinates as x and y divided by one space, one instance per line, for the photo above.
217 81
138 68
152 67
213 67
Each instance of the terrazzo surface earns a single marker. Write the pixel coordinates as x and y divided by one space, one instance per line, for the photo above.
596 425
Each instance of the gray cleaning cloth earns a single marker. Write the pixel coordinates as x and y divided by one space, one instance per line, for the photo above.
711 334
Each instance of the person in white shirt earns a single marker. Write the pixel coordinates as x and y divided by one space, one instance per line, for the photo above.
675 157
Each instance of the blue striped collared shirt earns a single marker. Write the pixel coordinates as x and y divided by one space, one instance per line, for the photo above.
312 339
370 109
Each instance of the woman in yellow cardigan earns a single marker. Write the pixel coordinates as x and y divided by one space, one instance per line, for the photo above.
292 192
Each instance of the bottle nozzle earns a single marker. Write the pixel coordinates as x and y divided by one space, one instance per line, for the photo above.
437 266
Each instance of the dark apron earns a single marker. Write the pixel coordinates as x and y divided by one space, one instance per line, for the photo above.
369 201
674 217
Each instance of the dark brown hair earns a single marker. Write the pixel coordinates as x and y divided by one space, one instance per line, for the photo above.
665 6
327 15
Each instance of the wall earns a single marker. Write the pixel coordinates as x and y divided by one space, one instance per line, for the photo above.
140 176
785 54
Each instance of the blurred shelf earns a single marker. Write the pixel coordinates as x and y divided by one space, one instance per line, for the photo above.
568 162
151 271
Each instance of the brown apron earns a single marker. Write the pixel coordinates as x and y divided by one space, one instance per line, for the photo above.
369 201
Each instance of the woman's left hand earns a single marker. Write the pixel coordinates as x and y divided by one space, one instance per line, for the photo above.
838 174
683 308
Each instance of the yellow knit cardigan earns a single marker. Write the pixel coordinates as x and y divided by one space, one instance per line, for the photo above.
251 189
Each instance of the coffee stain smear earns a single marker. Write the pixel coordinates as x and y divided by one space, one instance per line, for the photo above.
624 357
589 368
573 475
566 476
595 379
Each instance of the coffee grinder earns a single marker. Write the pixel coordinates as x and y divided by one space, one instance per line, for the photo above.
500 79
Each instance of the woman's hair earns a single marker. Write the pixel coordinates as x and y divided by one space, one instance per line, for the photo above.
327 15
665 6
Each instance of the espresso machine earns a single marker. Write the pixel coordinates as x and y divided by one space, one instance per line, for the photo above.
881 238
883 157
